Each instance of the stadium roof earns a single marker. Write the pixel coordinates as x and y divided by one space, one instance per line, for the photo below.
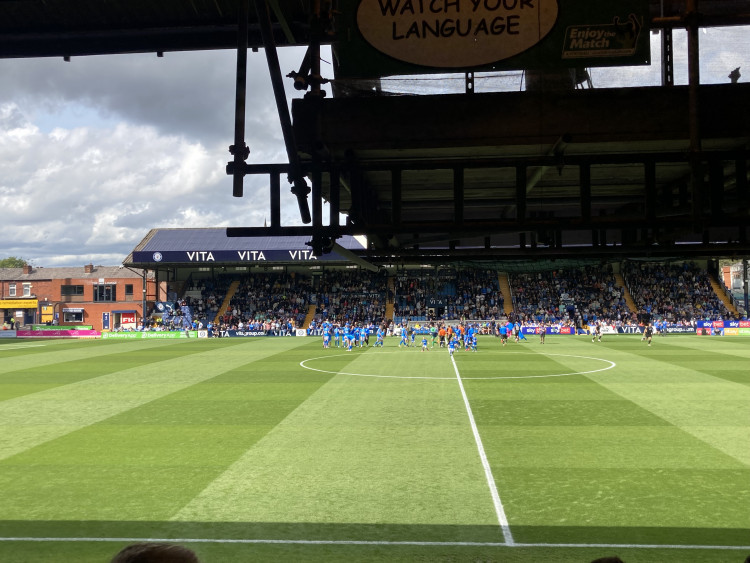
552 171
35 28
207 247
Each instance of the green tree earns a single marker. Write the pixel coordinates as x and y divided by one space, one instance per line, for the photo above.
12 262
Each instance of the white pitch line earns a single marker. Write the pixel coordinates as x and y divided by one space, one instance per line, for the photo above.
612 364
378 542
499 510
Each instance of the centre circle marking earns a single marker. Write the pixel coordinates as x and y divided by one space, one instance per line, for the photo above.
612 364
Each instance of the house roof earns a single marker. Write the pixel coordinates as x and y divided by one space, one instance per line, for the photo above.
73 273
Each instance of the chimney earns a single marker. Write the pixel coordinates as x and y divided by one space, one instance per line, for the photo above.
27 268
88 269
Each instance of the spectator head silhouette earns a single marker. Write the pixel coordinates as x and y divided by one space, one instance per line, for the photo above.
155 553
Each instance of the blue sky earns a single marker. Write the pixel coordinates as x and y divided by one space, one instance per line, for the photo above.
97 151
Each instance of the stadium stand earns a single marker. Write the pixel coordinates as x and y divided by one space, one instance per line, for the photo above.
280 302
676 292
347 296
589 294
467 294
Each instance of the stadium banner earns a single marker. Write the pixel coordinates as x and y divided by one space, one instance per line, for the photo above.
609 329
680 330
63 327
155 334
162 307
58 333
533 330
249 256
7 333
630 329
377 38
300 332
244 333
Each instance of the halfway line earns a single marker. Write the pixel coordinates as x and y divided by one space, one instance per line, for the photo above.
499 510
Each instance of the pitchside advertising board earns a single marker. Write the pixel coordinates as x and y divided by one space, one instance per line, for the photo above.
609 329
723 328
136 335
387 37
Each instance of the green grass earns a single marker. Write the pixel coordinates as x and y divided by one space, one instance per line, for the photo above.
594 449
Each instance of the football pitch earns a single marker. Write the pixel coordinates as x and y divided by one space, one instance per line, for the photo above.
274 449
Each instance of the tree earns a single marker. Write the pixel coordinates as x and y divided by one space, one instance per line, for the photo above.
12 262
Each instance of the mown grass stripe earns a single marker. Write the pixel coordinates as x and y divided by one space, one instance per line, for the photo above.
681 396
56 352
31 420
361 450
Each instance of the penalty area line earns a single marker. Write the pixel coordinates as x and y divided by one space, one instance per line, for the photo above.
502 519
378 542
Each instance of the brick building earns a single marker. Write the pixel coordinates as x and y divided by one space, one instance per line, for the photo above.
103 297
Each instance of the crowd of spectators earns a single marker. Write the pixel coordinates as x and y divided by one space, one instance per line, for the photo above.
577 295
277 303
458 294
677 292
212 296
351 297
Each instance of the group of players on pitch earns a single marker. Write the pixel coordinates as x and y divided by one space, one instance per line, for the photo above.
447 336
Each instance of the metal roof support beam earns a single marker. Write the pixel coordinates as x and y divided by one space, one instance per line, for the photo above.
282 21
521 191
650 190
316 35
275 198
458 195
556 150
696 180
239 149
716 185
299 186
396 196
743 195
334 197
356 184
317 192
667 58
584 174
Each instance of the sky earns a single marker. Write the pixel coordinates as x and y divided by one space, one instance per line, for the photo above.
97 151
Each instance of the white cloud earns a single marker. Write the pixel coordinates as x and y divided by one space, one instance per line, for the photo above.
96 152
